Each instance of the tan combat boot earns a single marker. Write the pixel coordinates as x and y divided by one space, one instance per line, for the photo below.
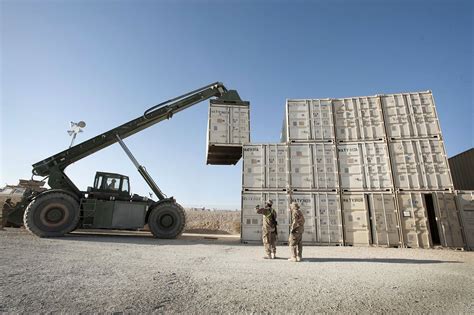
298 258
267 257
273 255
293 259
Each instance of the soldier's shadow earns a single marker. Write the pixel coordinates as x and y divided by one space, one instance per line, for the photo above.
378 260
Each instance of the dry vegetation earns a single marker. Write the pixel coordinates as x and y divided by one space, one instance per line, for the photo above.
224 222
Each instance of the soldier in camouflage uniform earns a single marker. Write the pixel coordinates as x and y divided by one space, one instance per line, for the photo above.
295 240
269 229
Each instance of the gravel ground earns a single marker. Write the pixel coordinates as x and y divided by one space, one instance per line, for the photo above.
133 272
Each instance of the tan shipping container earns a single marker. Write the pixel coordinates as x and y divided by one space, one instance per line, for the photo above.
465 204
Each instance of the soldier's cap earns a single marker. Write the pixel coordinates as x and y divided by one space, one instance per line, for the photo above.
269 202
295 205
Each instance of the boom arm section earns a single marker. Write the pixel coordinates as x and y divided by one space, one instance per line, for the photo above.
54 166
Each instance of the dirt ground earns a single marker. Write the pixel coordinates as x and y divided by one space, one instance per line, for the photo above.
214 222
133 272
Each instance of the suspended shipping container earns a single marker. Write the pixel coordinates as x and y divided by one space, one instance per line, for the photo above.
227 130
420 164
364 166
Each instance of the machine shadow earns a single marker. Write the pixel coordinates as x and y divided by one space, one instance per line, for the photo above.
144 238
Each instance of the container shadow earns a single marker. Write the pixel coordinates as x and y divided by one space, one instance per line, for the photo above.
381 261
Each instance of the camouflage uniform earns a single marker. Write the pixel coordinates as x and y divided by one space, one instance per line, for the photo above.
269 230
295 240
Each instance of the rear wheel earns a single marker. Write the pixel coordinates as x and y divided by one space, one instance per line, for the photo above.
53 214
167 220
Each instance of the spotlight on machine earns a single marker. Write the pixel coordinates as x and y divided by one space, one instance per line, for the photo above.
75 129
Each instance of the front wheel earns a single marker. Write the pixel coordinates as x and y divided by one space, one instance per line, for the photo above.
53 214
167 220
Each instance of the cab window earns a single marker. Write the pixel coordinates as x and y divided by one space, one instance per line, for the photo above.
112 183
125 186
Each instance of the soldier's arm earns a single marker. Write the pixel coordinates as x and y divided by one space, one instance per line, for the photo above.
261 210
293 221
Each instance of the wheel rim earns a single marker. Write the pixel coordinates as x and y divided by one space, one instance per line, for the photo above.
54 215
167 221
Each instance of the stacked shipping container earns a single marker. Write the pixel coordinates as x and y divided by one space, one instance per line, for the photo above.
378 164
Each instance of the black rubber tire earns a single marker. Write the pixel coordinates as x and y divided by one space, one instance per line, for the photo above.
167 220
53 214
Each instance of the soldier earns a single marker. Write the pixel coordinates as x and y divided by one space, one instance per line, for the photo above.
269 229
295 240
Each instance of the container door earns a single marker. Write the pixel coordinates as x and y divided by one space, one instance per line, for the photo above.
252 222
384 219
276 166
414 220
465 202
328 219
219 122
423 114
307 202
377 166
356 225
351 166
396 116
406 165
325 166
347 127
298 120
370 118
301 166
321 120
253 167
449 226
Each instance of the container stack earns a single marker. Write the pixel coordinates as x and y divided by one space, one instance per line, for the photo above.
421 175
313 179
368 205
264 176
365 170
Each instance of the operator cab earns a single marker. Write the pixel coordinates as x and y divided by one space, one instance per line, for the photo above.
110 186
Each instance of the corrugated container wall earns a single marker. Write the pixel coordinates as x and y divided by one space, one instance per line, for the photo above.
358 118
410 115
322 212
465 204
430 219
313 166
308 120
420 164
364 166
462 170
251 229
265 166
370 218
228 129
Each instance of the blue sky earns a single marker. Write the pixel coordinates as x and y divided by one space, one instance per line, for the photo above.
105 62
